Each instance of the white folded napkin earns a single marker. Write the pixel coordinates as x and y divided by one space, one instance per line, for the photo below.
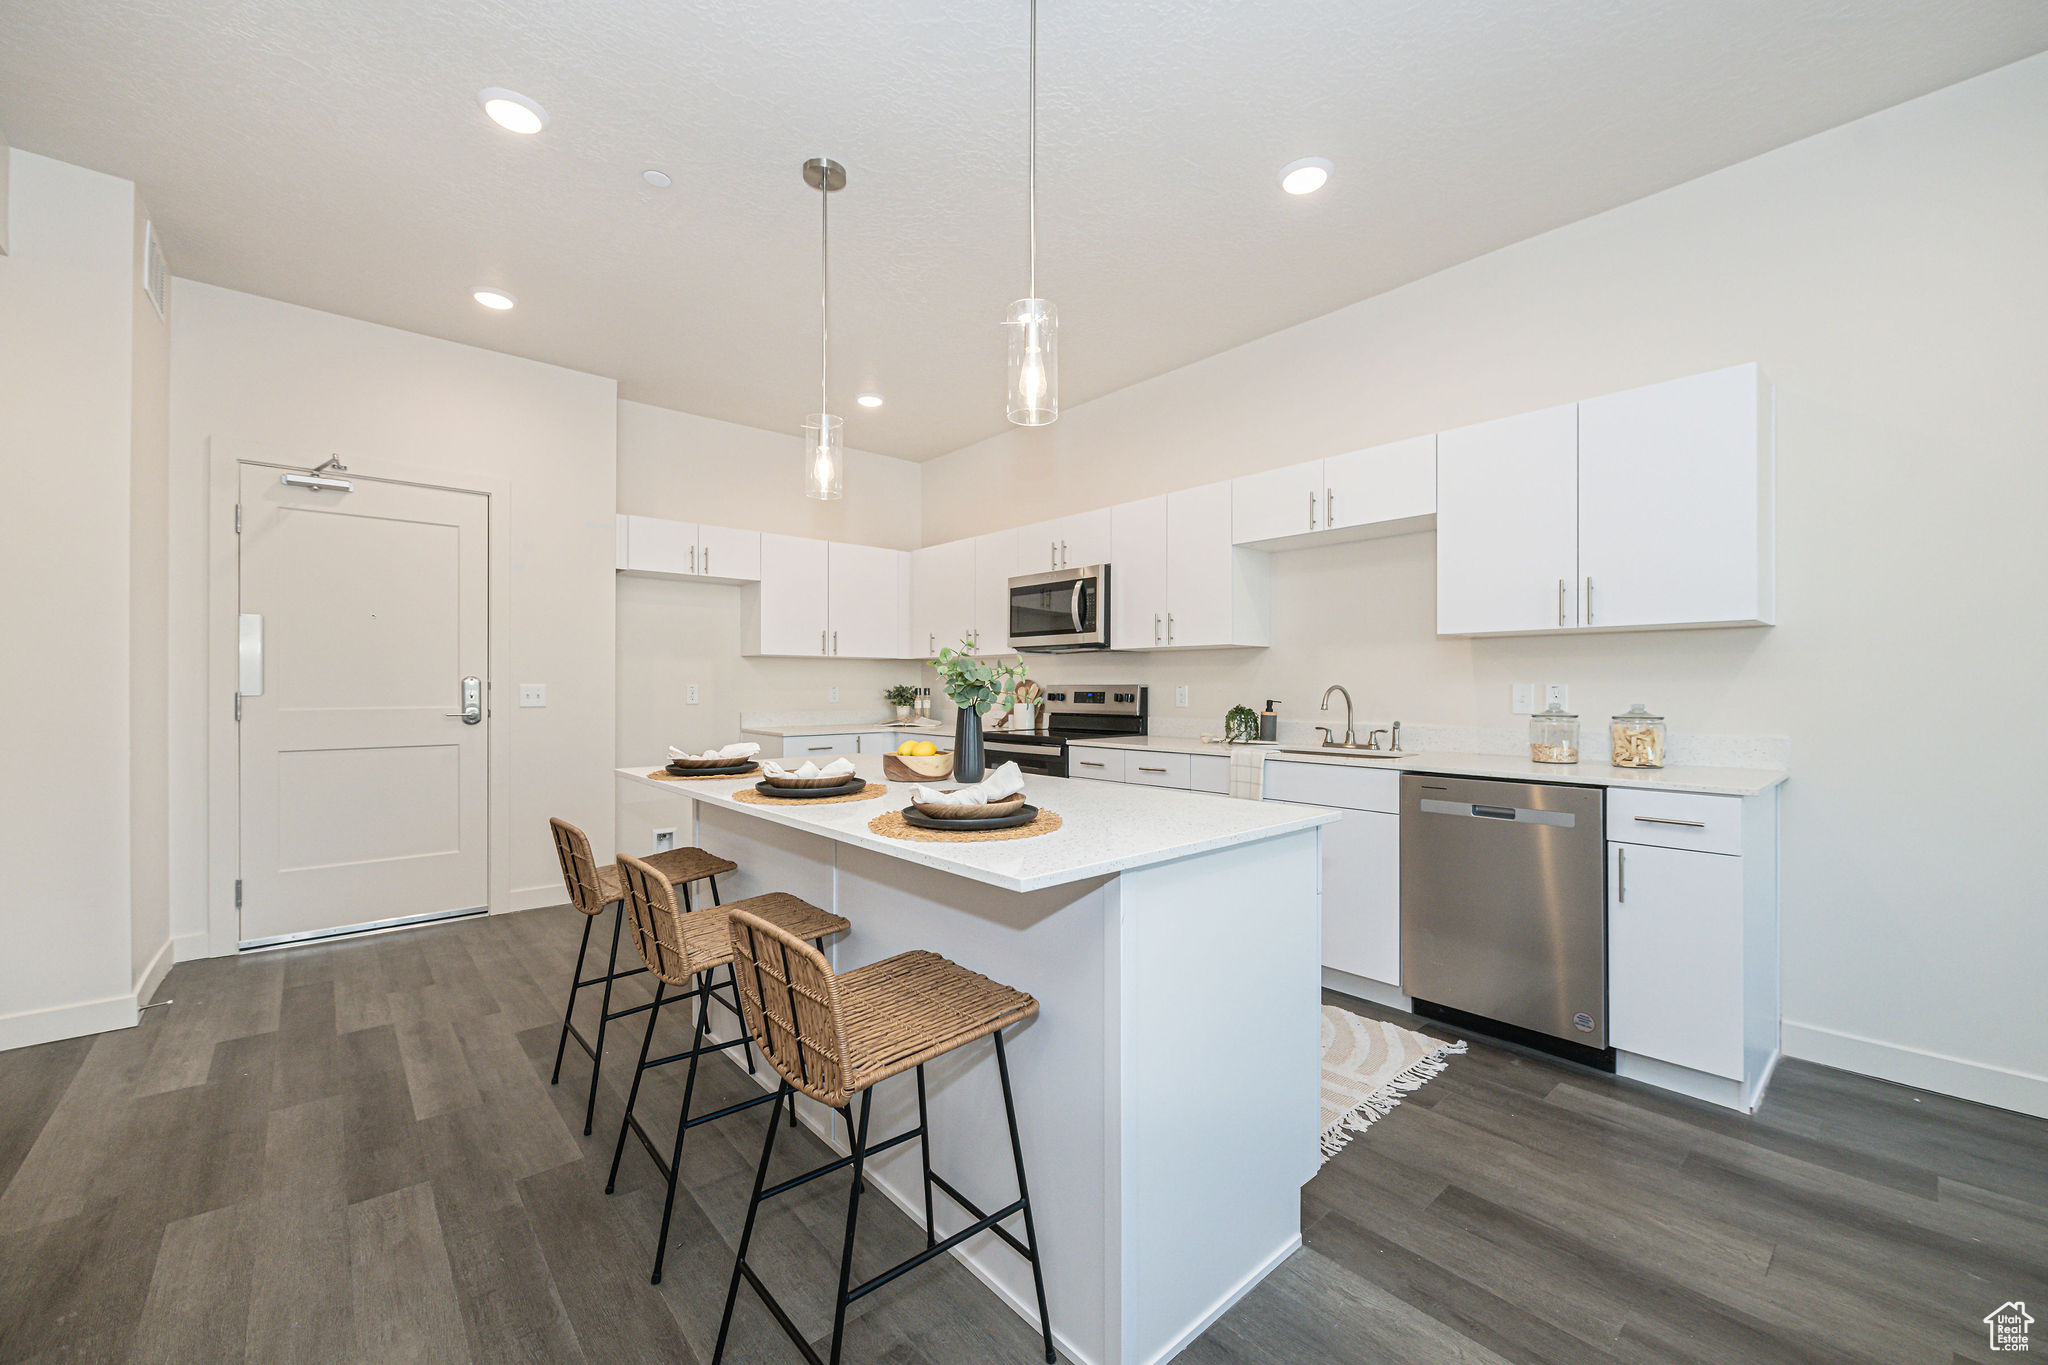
1005 781
733 752
838 767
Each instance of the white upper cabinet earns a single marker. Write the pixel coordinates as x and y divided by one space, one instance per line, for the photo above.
867 601
1215 591
733 556
994 565
656 545
941 596
1137 577
1507 525
785 612
1069 543
1277 504
1674 507
1036 547
1389 488
684 549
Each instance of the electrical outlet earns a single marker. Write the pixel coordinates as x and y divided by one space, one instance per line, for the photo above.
664 840
690 695
1525 699
1180 695
533 694
1558 695
835 694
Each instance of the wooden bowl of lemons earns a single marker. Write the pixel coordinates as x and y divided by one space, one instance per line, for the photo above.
917 760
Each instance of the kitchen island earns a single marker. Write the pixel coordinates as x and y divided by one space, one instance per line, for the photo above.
1168 1090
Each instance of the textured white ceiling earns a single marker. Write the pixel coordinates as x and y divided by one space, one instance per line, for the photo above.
333 154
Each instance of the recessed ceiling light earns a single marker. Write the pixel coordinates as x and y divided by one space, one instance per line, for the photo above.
658 179
512 111
869 400
1305 176
496 299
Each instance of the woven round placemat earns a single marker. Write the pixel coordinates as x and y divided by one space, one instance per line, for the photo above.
664 775
894 826
754 798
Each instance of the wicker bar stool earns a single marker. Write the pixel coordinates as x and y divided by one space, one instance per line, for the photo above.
591 889
683 949
836 1036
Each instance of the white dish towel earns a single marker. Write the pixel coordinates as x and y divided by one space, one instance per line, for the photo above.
734 752
838 767
1005 781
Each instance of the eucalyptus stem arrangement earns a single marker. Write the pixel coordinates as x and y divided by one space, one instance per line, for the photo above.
977 686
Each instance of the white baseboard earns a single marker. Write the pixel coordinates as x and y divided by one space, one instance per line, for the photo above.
187 947
1957 1076
153 975
1365 988
538 897
30 1027
1226 1302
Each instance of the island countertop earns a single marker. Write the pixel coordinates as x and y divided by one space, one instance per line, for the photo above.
1107 827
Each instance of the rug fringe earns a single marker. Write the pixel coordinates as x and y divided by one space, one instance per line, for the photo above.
1387 1098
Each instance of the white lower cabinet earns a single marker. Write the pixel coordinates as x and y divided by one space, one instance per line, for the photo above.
1361 861
1674 956
1156 770
820 747
1100 765
1150 768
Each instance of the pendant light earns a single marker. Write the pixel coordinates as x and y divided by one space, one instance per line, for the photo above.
824 434
1034 396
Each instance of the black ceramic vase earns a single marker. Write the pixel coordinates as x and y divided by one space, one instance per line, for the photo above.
968 759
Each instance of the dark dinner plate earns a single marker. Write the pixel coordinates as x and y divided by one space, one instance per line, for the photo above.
1023 815
737 769
846 788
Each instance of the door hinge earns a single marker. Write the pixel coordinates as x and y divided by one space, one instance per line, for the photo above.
238 708
238 518
238 893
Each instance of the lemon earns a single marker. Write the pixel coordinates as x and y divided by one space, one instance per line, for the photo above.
907 748
924 748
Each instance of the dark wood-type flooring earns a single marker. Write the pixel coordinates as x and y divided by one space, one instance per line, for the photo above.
349 1152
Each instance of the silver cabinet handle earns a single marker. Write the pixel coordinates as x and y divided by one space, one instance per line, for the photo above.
707 559
693 559
835 642
472 712
821 642
1053 554
1155 627
1311 509
1063 553
1621 875
1662 820
1143 769
1589 599
820 749
1086 764
931 642
1560 602
1169 627
1329 507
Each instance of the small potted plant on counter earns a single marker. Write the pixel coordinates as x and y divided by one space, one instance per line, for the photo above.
903 697
977 686
1240 725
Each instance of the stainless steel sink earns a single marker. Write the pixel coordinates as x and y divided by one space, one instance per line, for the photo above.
1347 751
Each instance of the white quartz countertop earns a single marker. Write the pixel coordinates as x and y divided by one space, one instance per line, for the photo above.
847 727
1107 827
1590 773
1165 744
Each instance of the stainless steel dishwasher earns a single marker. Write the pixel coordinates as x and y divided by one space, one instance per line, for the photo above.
1504 908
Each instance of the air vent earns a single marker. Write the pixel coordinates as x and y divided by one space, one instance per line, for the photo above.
156 277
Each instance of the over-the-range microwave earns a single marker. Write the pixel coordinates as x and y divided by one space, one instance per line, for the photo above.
1060 612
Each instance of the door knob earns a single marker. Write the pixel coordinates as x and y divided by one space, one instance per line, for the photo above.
472 712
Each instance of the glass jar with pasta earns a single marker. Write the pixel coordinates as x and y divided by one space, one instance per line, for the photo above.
1637 739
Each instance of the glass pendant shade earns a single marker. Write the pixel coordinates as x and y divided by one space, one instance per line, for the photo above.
824 456
1034 398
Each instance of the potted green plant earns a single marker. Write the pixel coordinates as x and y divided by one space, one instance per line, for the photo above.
1240 725
977 686
902 696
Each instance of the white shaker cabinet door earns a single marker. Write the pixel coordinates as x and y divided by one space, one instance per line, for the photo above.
1674 503
1385 484
1087 538
789 606
723 552
1037 547
1137 578
1674 956
1362 895
1507 525
1277 503
994 566
868 594
1200 560
657 545
941 597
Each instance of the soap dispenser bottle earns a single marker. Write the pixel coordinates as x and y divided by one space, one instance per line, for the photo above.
1269 723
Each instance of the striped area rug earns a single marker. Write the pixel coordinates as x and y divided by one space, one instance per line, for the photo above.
1368 1064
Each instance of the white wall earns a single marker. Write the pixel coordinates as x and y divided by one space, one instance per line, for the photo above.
66 446
248 369
149 905
1892 277
671 634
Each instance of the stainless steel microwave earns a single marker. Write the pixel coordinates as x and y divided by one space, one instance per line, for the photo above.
1060 612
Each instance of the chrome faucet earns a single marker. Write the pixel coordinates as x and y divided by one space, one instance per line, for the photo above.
1350 735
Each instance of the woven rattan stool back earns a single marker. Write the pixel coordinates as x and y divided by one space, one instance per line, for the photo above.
657 923
579 869
791 1003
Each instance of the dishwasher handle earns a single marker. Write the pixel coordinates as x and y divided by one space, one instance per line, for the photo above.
1520 815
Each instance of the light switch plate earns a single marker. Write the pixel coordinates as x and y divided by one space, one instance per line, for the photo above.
835 694
1180 695
533 694
1525 699
1558 695
690 695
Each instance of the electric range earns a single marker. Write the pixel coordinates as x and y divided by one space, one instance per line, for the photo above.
1070 712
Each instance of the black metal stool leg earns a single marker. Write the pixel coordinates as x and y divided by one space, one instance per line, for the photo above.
739 1261
675 1157
575 984
604 1016
1024 1196
924 1147
639 1070
860 1147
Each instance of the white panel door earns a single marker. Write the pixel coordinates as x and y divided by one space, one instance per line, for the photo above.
1393 482
868 594
941 597
1199 562
1362 895
362 800
1279 502
1669 497
725 553
1036 547
792 595
995 562
1137 579
1507 524
1087 538
657 545
1674 956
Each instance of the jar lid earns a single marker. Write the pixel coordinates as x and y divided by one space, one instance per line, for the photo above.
1556 712
1638 713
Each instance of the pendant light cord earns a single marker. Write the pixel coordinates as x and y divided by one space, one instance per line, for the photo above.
824 287
1031 173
